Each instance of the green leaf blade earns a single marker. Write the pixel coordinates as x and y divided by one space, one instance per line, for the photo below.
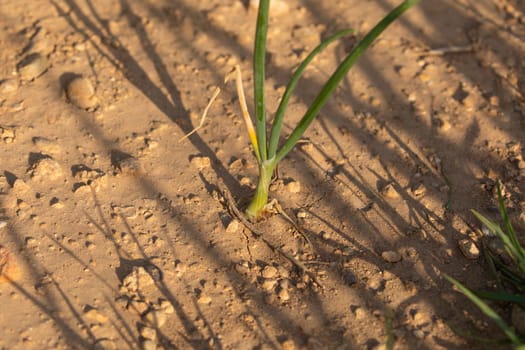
259 68
338 75
290 88
486 309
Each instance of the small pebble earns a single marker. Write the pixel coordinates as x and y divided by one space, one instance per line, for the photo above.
418 189
269 272
203 299
138 306
137 279
418 333
468 248
360 313
9 270
32 66
148 344
375 283
200 162
166 306
301 214
288 344
391 256
293 187
46 169
8 86
389 191
284 295
81 93
104 344
148 333
94 315
233 227
156 318
268 284
46 146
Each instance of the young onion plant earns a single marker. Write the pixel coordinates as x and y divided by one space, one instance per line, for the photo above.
267 151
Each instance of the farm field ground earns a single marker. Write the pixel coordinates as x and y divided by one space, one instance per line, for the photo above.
116 233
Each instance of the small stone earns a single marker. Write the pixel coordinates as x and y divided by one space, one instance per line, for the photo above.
389 191
3 224
301 214
468 248
360 313
444 124
269 284
104 344
156 318
94 315
391 256
9 270
375 283
137 279
81 93
418 333
288 344
46 169
126 211
148 344
148 333
7 134
284 295
32 66
418 189
200 162
203 299
166 306
494 101
46 146
234 226
8 86
138 306
269 272
293 187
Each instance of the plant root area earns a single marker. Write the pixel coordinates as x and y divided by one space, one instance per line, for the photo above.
116 233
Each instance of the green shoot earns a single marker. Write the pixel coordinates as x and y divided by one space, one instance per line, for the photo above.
511 279
267 152
486 309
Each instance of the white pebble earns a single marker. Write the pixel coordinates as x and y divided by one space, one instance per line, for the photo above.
81 93
391 256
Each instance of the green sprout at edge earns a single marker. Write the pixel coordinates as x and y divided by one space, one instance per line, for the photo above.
267 152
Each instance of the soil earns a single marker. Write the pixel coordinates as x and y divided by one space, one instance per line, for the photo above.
117 234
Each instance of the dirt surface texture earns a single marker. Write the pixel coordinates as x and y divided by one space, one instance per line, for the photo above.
117 233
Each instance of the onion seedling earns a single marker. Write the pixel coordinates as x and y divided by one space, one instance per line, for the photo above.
268 152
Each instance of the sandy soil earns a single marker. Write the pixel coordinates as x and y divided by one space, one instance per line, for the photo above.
116 235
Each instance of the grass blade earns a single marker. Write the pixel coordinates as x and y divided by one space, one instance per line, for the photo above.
338 75
246 114
487 310
290 88
502 296
520 253
259 67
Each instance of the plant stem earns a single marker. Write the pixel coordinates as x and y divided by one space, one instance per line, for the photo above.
260 199
259 68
